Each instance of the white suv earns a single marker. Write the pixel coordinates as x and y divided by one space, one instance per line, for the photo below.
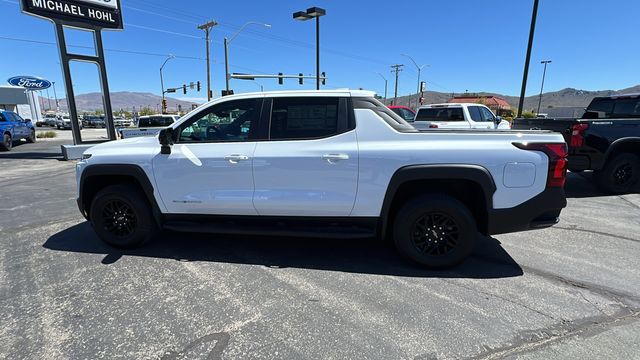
323 164
457 116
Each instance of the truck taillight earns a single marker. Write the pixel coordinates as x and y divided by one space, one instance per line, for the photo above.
433 126
557 154
577 135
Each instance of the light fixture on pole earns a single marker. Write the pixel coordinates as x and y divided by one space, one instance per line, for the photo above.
385 84
226 48
314 12
162 79
544 72
419 68
207 27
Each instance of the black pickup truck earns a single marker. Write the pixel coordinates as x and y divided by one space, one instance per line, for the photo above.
606 139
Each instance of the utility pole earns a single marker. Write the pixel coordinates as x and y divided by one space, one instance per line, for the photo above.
545 62
207 27
526 62
396 69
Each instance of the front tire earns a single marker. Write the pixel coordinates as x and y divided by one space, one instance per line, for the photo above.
121 216
434 230
619 175
32 137
7 142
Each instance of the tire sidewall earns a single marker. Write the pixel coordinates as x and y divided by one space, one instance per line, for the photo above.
144 221
415 208
7 142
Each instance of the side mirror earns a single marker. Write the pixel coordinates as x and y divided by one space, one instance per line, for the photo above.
165 137
498 120
27 120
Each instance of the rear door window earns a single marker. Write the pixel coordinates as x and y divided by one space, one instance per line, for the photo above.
304 118
443 114
474 112
625 108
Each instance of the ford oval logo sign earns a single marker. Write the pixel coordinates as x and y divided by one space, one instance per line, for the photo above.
30 82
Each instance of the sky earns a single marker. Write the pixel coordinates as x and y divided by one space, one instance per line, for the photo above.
468 45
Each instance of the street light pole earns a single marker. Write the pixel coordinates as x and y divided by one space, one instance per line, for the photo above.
525 73
544 72
56 97
207 27
162 79
49 98
314 12
226 48
385 85
419 68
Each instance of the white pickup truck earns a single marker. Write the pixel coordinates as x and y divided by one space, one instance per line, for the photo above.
148 125
457 116
324 164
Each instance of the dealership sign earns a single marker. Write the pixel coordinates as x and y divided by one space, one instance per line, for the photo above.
30 82
82 13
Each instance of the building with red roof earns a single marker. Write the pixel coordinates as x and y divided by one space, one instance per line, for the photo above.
497 104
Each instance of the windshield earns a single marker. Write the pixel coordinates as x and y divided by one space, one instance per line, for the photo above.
444 114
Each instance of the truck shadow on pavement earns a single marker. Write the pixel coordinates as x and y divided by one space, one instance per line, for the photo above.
489 259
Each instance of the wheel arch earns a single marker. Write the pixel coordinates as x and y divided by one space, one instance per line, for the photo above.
622 145
97 177
473 185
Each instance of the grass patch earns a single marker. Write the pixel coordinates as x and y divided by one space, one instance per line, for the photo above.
46 134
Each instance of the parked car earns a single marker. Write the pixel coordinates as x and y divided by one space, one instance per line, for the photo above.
96 121
44 120
14 128
148 125
458 116
404 112
64 122
328 164
606 139
119 121
51 120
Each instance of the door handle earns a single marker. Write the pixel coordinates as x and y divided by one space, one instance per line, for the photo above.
235 158
335 157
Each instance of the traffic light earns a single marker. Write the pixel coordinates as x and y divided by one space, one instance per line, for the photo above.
198 86
324 78
184 89
300 78
280 82
164 105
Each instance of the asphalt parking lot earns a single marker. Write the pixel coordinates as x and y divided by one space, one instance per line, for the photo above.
571 291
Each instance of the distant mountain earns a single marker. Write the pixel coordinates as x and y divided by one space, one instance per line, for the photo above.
125 100
568 97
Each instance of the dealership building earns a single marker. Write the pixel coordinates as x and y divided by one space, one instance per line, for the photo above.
19 99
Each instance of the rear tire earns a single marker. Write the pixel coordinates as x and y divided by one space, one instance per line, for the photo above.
434 230
7 142
121 216
619 175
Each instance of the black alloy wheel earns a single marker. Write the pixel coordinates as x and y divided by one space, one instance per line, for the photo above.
119 218
434 230
620 174
435 233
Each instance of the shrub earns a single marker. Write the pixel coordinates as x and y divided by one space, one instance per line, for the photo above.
46 134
